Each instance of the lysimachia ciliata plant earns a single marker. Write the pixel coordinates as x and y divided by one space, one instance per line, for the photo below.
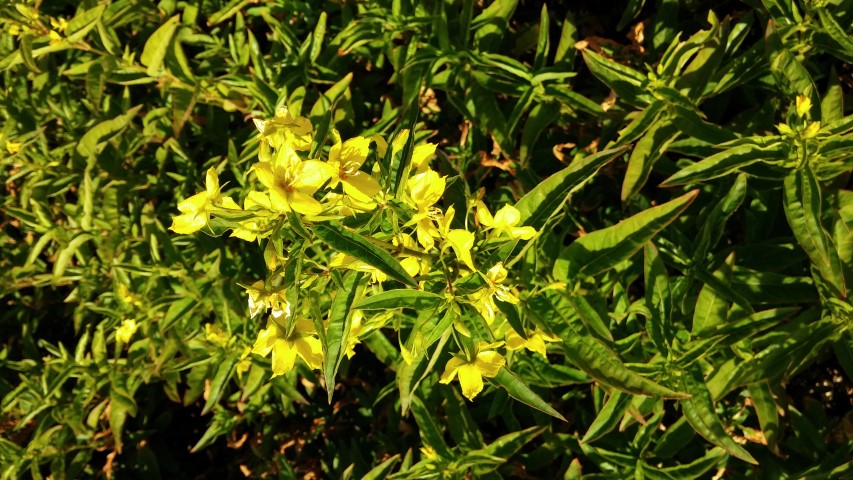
346 254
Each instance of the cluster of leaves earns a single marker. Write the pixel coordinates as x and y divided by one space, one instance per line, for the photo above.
662 290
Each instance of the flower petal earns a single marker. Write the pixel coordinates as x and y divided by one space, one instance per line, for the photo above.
311 174
489 362
471 381
450 369
283 357
361 186
304 204
310 349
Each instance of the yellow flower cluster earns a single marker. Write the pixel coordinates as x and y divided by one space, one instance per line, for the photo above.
292 181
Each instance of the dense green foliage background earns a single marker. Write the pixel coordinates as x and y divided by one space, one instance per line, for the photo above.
730 283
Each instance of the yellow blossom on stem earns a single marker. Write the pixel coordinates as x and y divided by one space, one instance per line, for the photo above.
261 299
460 240
285 131
195 211
292 185
413 265
345 160
534 342
804 104
812 130
486 362
213 333
421 156
424 190
302 342
12 147
55 38
125 332
483 300
59 24
506 220
249 229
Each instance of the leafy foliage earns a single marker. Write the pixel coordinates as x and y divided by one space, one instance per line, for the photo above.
437 239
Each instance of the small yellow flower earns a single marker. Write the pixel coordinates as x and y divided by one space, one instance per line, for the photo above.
125 332
195 211
55 38
12 147
250 229
245 362
483 300
804 104
460 240
261 299
214 334
59 23
302 342
284 132
413 265
812 130
505 221
421 156
535 341
292 185
485 363
346 159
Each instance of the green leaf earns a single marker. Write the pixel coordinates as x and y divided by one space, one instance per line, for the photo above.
609 416
604 365
603 249
88 144
727 162
641 123
551 194
700 413
658 299
383 470
82 23
766 409
431 434
711 307
157 46
224 371
518 390
803 205
837 33
402 298
714 223
338 329
542 43
345 241
629 84
646 152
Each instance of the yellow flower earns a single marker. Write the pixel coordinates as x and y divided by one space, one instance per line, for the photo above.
486 363
12 147
261 299
55 38
421 156
59 23
125 332
342 260
214 334
460 240
346 159
424 190
413 265
535 341
812 130
196 209
283 131
292 185
804 104
483 300
249 229
302 342
245 362
505 220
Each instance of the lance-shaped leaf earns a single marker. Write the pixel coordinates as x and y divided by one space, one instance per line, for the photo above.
157 46
604 365
728 162
549 196
803 204
357 246
402 298
607 419
339 328
699 411
629 84
646 153
713 225
518 390
103 131
603 249
658 299
224 372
